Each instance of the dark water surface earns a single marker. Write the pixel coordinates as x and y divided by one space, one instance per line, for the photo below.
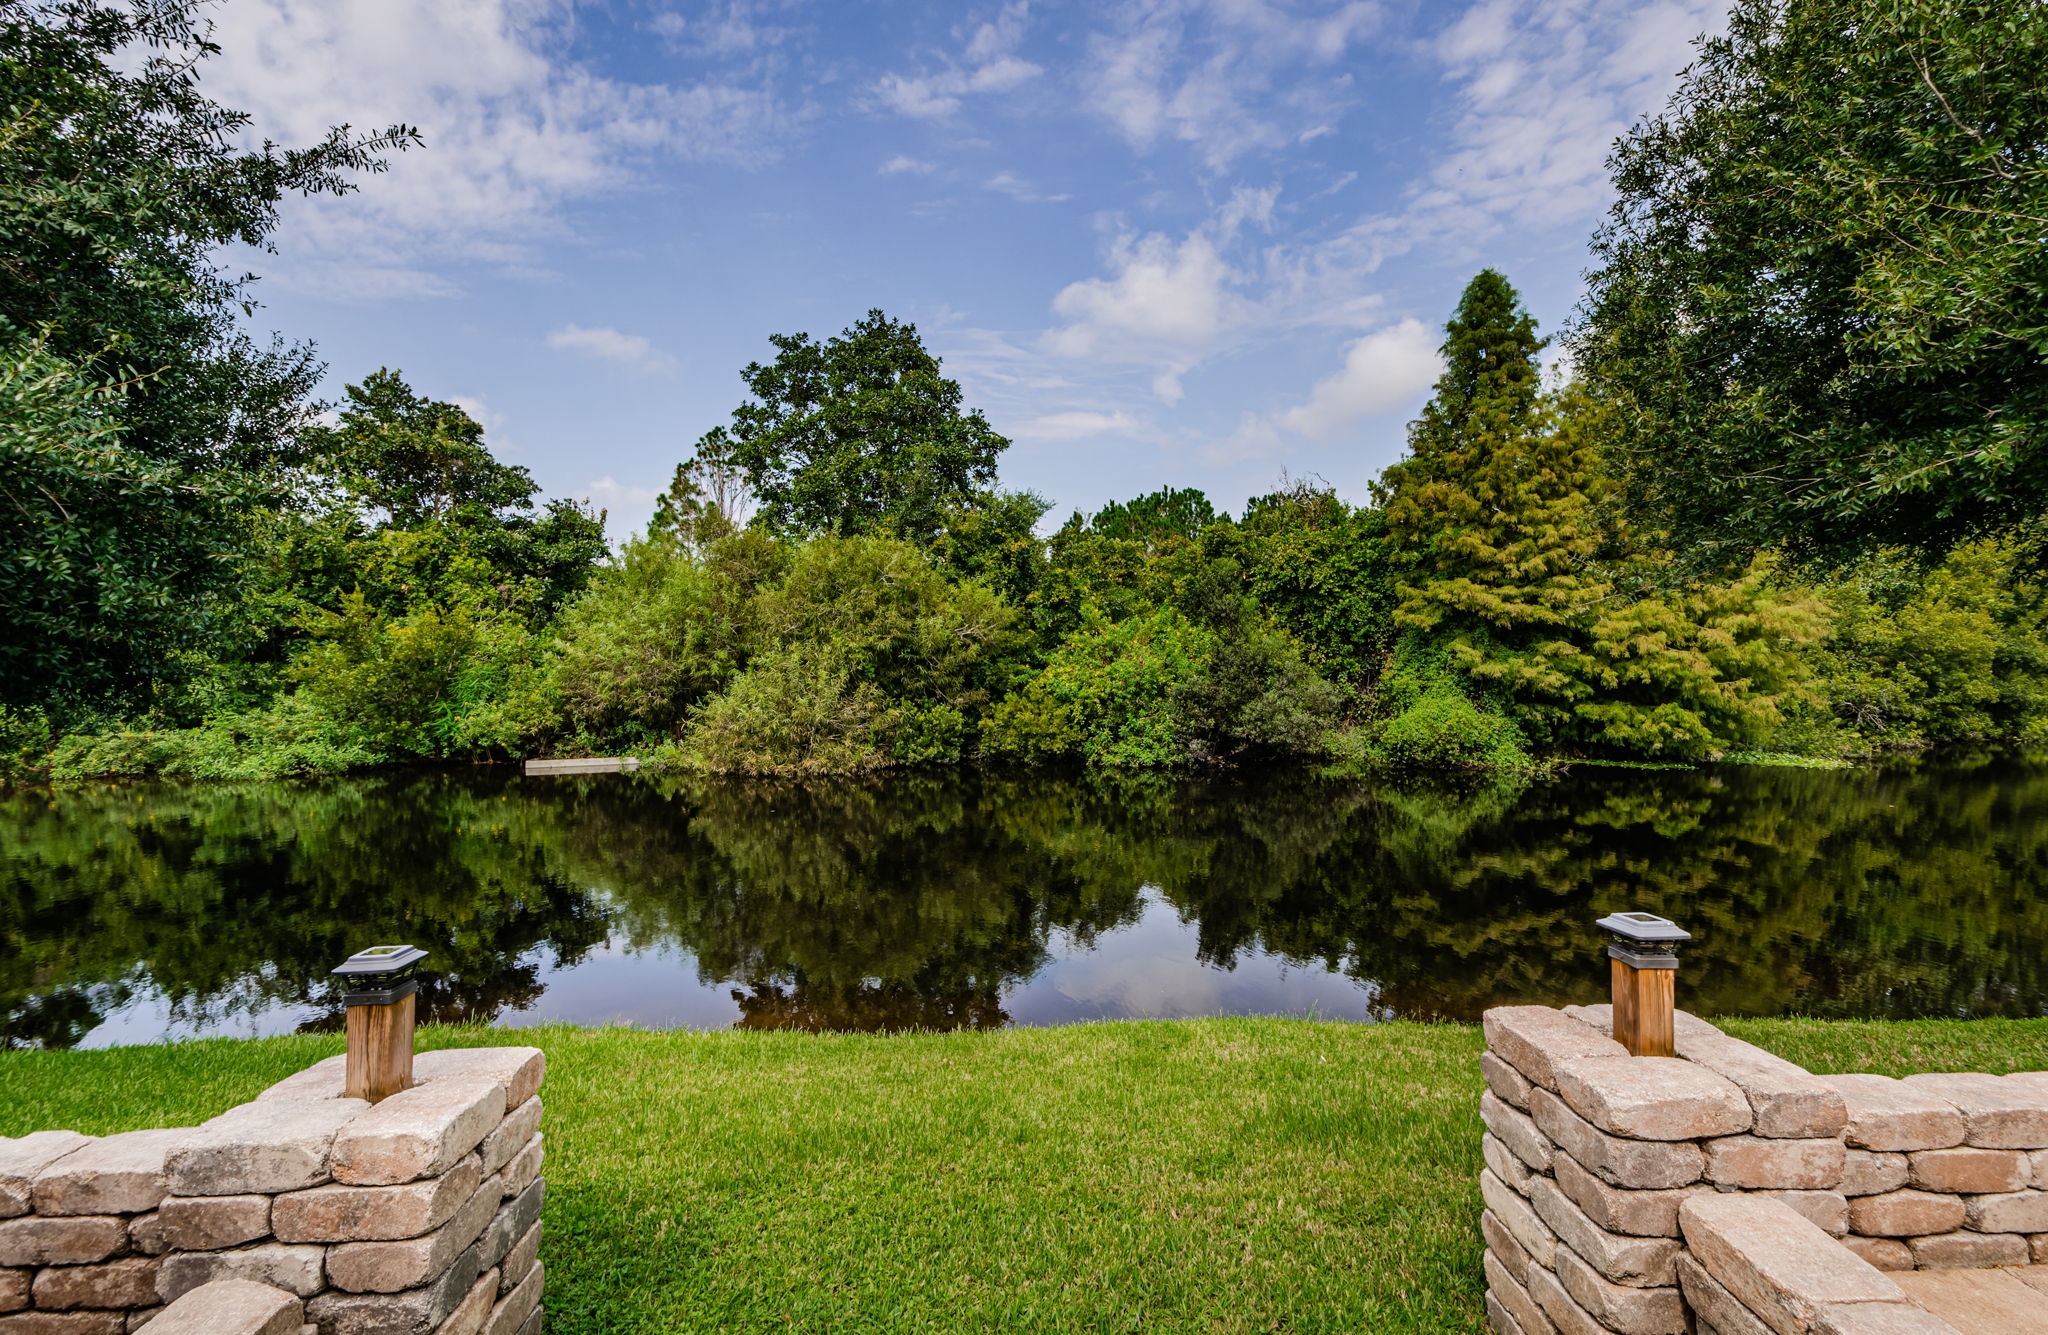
134 912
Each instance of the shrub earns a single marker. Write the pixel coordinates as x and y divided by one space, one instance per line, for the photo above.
288 739
1443 729
797 711
1114 695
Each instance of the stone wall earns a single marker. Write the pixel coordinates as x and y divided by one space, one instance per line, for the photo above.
1592 1155
418 1216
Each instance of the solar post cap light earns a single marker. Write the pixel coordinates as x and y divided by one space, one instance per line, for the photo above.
1644 972
382 983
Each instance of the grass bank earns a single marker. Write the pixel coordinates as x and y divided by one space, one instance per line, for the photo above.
1212 1175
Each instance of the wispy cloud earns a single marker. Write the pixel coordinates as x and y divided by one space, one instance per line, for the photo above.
629 350
1021 190
987 63
904 165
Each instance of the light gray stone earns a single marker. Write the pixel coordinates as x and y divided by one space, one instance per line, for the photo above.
121 1174
1786 1101
23 1157
1562 1309
414 1312
1642 1214
1635 1164
1651 1098
1755 1164
1505 1166
210 1223
2000 1113
1884 1253
260 1147
1905 1214
1509 1292
518 1071
1965 1250
1508 1085
1776 1262
524 1256
515 1307
1533 1039
146 1234
321 1080
1829 1210
389 1267
511 1135
1888 1114
1501 1243
1868 1173
72 1240
517 1215
1715 1307
231 1307
419 1132
2008 1212
1880 1319
1518 1215
470 1314
1968 1170
128 1282
516 1176
372 1214
1641 1262
64 1323
295 1268
1517 1131
1497 1318
1621 1308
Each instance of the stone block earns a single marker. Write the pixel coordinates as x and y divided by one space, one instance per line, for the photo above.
210 1223
1533 1039
1517 1131
1621 1308
511 1135
322 1080
121 1174
129 1282
1905 1214
146 1234
1651 1098
1891 1115
1498 1320
260 1147
64 1323
414 1312
1641 1262
520 1213
1776 1262
14 1286
296 1268
1499 1241
389 1267
1562 1309
516 1176
1505 1166
533 1323
518 1071
1969 1170
524 1256
515 1307
231 1307
75 1240
1756 1164
1713 1306
1518 1215
23 1157
1786 1101
139 1317
1868 1173
470 1314
373 1214
2000 1113
1510 1293
1965 1250
2038 1160
1642 1214
1884 1253
419 1132
1880 1319
1508 1085
1640 1165
1829 1210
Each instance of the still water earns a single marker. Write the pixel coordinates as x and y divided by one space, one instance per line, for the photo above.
130 913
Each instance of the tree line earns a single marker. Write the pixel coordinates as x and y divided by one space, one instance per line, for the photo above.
1788 502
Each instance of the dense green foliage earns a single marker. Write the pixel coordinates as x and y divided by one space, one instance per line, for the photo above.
1822 294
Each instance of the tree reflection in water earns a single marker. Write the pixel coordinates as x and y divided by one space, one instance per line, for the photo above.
922 900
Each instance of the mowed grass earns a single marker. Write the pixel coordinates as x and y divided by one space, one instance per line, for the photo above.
1210 1175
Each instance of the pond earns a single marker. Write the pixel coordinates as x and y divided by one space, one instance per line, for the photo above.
130 913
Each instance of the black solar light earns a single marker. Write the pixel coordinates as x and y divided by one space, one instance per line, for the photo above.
382 981
1644 967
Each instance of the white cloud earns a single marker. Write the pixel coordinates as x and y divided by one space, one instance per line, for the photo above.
987 63
1079 425
513 130
629 350
1382 372
627 506
1021 190
902 165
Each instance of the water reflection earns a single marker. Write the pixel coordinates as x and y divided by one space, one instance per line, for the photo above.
975 900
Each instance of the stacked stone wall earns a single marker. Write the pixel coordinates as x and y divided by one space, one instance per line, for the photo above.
417 1216
1592 1156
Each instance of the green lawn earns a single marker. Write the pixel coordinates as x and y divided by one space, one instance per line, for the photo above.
1214 1175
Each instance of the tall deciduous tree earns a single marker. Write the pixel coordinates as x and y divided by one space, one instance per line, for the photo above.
860 433
1822 293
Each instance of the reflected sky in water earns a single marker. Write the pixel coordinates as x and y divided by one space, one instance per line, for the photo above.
131 913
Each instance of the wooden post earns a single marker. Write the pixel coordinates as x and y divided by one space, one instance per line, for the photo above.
380 1048
1645 1002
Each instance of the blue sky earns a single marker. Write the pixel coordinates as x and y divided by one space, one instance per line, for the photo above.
1160 242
